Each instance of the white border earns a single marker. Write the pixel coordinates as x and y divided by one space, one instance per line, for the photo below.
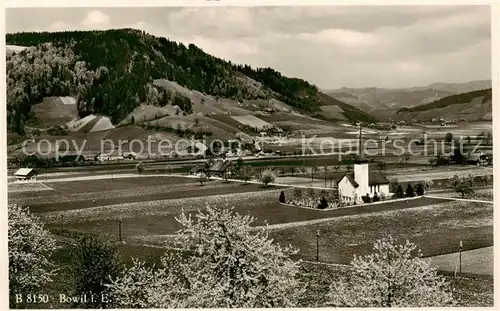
495 43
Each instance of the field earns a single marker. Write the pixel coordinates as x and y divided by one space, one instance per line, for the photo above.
148 206
54 111
252 121
478 261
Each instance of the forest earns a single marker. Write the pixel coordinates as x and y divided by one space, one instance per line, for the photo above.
111 72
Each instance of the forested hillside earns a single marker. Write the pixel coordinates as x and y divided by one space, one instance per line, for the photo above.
462 98
111 72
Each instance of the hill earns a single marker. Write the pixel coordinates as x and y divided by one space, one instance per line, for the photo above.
114 72
384 103
471 106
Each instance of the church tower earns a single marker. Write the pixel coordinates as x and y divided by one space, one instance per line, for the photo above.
361 171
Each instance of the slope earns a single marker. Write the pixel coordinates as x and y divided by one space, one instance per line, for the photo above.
471 106
117 70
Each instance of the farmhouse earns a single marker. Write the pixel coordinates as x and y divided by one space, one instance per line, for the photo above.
220 168
26 174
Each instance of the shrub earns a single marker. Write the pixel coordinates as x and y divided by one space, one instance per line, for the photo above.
420 189
322 203
375 198
399 193
409 193
267 177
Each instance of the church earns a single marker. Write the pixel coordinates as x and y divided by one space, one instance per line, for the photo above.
354 185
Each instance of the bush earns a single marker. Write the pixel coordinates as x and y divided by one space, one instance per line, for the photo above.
282 197
399 193
375 198
322 203
267 177
366 199
420 189
409 193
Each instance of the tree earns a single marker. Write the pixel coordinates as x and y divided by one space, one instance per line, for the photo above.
267 178
393 185
409 193
399 193
139 167
419 190
392 276
486 179
239 164
95 264
30 249
246 173
464 188
226 263
366 198
314 170
311 193
202 178
293 170
282 197
382 165
323 203
448 137
297 193
428 183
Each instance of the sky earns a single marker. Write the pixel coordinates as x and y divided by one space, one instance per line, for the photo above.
329 46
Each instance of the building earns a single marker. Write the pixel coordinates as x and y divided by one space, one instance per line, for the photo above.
220 168
26 174
354 185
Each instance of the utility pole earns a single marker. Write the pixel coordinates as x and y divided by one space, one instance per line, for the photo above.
62 224
460 259
120 229
317 246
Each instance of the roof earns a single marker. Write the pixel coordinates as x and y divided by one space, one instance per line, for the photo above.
374 178
25 172
220 165
377 178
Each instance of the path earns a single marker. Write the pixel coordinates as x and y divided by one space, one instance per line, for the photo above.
459 199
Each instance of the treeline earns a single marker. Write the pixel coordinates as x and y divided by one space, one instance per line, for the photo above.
462 98
118 68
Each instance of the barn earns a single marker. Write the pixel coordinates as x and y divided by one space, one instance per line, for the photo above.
26 174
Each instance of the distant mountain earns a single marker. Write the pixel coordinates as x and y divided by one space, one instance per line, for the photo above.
471 106
384 103
112 73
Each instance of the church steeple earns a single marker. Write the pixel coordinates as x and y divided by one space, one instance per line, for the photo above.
361 155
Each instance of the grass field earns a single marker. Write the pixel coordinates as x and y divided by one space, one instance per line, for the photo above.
148 208
477 261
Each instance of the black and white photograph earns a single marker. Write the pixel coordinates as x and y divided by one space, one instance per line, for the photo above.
212 155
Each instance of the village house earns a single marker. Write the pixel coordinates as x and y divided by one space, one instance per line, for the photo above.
220 168
26 174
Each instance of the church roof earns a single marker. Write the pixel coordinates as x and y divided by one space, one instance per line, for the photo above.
377 178
374 178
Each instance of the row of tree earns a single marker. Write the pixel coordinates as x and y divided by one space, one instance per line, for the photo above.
222 262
